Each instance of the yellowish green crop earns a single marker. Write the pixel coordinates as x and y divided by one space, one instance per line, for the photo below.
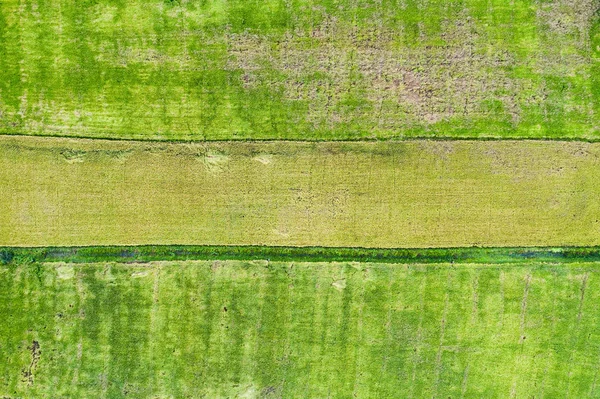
393 195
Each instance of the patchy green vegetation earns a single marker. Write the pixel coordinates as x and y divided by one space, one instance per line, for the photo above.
150 253
302 70
253 258
61 192
298 330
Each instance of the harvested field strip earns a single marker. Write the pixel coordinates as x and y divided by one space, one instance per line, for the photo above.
64 192
141 254
299 330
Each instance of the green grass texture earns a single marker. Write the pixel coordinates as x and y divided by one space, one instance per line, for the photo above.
300 70
265 329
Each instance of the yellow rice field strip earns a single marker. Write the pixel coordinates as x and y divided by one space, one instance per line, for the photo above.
369 194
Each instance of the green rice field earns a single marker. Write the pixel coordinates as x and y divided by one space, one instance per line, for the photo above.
241 329
320 199
301 70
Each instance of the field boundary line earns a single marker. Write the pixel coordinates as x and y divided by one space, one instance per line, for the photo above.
308 141
149 253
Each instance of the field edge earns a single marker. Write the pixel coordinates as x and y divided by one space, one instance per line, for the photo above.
149 253
308 140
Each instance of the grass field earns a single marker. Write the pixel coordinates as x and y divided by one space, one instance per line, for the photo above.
291 69
299 330
407 194
299 199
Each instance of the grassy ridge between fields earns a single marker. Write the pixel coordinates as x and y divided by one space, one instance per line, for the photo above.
256 329
149 253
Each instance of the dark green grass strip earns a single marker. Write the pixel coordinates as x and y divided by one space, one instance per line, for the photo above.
133 254
431 137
